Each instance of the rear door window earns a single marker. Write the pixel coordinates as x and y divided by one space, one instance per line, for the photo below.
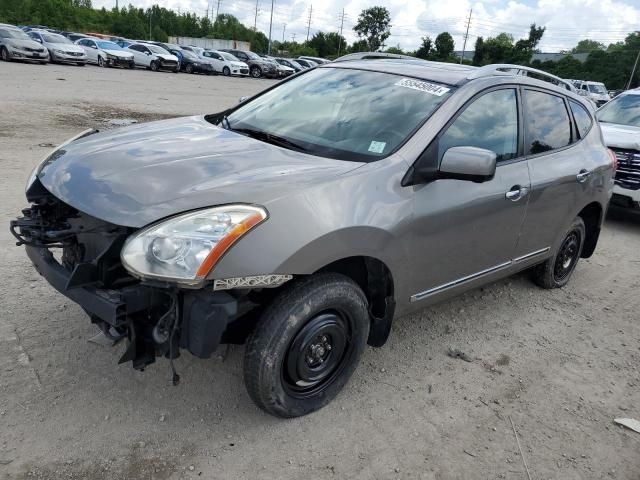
547 122
490 122
582 118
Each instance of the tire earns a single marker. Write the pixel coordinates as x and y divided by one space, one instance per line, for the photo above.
557 270
255 72
101 62
154 66
43 63
189 68
81 64
315 332
226 71
4 54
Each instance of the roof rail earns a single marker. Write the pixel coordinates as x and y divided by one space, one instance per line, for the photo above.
373 56
508 69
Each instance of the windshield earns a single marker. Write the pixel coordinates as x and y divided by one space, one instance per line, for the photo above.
156 49
53 38
623 110
339 113
108 45
253 56
228 56
189 55
597 89
10 33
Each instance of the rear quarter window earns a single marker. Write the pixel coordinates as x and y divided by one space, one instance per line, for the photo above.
547 122
582 117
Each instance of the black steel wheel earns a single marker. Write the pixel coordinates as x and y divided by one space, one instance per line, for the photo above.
556 271
306 345
226 71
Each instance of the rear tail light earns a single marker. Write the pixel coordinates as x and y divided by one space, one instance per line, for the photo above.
614 159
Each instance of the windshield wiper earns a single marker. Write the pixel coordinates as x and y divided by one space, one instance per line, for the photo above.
225 122
269 138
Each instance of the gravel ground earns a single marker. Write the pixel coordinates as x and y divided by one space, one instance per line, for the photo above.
561 365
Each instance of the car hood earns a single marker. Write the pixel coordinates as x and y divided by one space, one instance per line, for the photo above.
166 56
118 53
19 43
239 64
66 47
136 175
621 136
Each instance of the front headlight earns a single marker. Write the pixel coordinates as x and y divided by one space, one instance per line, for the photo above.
59 52
185 248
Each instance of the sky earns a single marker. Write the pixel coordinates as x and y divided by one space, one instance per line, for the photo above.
567 21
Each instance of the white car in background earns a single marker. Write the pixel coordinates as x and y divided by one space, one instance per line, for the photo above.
60 48
17 45
226 63
105 53
153 57
620 124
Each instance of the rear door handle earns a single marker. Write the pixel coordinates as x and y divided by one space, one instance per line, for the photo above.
583 175
516 193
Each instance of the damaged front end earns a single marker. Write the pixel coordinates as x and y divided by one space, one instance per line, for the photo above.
80 256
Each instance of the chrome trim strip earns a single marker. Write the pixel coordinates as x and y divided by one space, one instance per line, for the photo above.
455 283
426 293
531 255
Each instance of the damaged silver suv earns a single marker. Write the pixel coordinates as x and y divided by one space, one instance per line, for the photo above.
304 219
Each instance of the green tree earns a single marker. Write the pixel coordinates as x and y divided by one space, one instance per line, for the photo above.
479 52
426 49
444 46
374 25
587 46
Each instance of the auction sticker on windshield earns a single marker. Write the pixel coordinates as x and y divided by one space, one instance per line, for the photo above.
377 147
425 87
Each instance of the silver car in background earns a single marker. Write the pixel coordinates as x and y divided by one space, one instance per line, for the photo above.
17 45
61 49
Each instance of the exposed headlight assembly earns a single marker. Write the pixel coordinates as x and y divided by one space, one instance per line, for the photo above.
184 249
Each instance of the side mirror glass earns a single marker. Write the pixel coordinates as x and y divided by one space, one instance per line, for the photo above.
468 163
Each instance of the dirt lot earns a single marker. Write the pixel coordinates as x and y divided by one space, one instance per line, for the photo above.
561 364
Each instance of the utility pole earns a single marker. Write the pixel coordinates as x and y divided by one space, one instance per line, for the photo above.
284 27
633 72
117 5
255 20
293 37
341 26
218 9
466 35
150 13
270 26
309 24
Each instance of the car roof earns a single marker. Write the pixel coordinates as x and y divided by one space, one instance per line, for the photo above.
448 73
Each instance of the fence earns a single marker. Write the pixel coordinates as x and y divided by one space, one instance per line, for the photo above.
211 43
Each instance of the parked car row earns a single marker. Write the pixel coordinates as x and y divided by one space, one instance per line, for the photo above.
42 44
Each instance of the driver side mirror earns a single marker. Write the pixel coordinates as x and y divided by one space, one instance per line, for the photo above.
468 163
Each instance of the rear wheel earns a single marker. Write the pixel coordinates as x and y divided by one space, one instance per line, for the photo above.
255 72
226 71
306 346
4 54
557 270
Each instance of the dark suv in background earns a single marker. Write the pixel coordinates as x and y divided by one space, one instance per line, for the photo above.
258 66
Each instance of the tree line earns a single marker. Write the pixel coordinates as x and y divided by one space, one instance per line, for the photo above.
610 64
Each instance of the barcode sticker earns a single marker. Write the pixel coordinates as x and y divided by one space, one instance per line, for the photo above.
426 87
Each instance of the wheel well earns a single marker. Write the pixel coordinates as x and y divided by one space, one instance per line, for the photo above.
592 217
376 281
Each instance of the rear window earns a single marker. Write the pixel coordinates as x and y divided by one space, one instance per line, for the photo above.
582 118
547 122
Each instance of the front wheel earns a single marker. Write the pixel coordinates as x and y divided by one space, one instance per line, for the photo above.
4 54
255 72
154 66
101 62
557 270
226 71
189 68
307 344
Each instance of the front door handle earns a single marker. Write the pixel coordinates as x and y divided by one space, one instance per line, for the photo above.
583 175
516 193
